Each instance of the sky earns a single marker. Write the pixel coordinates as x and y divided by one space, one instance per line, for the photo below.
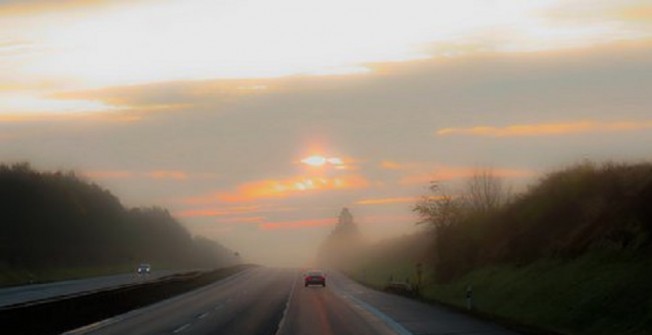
254 121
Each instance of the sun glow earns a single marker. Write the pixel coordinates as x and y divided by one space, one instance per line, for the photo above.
282 188
318 161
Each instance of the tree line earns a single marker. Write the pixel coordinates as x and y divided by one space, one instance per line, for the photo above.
58 220
567 213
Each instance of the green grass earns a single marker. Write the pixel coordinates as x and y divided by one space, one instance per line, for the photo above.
594 294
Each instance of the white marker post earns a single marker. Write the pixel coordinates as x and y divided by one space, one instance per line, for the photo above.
469 297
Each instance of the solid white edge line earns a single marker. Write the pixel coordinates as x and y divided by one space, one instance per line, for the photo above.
389 321
182 328
281 323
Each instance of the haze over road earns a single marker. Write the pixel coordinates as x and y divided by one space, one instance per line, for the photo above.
274 301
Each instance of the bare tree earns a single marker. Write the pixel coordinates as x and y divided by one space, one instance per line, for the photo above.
439 209
485 191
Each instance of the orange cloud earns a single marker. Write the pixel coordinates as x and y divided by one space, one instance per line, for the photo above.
448 173
545 129
386 201
630 12
176 94
281 188
117 117
390 165
247 219
206 212
642 13
167 174
299 224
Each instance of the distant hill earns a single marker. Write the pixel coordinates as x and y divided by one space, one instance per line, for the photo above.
54 220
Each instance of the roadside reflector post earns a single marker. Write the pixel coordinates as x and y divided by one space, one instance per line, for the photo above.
469 297
419 269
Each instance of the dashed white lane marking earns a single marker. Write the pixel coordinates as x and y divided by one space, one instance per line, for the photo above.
287 307
182 328
203 315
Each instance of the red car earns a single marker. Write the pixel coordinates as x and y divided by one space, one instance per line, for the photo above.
315 278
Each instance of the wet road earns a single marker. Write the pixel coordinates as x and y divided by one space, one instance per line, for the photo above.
274 301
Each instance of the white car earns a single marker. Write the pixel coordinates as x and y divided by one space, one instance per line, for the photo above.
144 269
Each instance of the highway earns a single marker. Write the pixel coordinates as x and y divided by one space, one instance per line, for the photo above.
274 301
27 293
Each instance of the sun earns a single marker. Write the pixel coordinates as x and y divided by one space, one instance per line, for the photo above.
318 161
314 160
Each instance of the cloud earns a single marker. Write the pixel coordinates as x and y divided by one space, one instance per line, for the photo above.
501 85
422 172
548 129
318 161
12 47
628 12
281 188
404 166
386 201
637 13
212 212
20 7
105 48
68 117
390 165
167 174
246 219
172 95
444 173
298 224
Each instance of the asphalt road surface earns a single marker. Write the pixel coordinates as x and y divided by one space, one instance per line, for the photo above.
274 301
21 294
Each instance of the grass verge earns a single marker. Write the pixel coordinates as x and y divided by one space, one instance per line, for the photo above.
593 294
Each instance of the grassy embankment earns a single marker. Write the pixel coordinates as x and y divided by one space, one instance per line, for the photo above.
592 274
592 294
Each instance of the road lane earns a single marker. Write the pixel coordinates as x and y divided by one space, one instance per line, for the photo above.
274 301
319 310
413 316
251 302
